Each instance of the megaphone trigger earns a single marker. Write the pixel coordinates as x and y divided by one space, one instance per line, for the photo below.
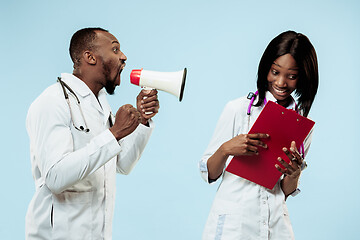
171 82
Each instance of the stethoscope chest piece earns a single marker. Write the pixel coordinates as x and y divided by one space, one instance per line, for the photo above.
250 95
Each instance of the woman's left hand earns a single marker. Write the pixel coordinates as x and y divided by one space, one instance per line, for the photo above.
292 169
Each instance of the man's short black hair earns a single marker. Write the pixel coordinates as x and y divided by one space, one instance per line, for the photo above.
81 41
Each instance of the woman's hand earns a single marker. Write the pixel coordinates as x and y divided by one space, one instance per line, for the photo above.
292 170
243 144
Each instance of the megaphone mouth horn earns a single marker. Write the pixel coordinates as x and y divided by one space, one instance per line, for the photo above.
183 85
171 82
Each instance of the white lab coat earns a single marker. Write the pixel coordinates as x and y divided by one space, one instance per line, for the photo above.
74 171
243 209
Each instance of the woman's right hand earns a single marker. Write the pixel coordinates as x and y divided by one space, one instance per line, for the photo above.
245 144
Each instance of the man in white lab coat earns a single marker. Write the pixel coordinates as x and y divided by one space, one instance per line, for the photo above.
77 145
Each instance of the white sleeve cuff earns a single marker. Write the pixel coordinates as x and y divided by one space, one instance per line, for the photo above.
106 138
296 192
204 172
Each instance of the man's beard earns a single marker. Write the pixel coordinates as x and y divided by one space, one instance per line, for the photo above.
110 83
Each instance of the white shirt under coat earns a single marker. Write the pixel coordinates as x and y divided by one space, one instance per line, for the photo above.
74 171
243 209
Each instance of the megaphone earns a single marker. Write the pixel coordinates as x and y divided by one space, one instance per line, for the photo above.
171 82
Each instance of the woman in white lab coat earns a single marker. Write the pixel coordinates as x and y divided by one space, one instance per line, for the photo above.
243 209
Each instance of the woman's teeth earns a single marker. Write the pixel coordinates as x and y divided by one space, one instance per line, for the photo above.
279 91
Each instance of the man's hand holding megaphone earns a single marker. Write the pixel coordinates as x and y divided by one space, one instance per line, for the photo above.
147 104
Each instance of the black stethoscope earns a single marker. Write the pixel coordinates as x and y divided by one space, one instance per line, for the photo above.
66 95
251 96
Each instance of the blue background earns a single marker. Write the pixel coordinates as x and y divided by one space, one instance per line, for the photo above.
220 43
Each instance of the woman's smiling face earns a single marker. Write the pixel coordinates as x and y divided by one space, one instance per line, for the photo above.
282 78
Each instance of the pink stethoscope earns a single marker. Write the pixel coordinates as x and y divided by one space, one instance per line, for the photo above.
252 97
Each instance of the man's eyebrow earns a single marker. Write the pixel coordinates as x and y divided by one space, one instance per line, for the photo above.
115 42
295 69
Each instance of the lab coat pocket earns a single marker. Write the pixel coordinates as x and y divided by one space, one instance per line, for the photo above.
224 222
80 138
72 217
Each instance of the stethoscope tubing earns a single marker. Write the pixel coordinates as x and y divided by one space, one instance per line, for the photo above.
66 95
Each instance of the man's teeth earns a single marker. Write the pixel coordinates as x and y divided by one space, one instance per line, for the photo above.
122 68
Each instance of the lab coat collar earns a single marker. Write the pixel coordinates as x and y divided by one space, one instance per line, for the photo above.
106 110
270 97
81 89
76 84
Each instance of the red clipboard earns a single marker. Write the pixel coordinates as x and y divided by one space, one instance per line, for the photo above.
284 126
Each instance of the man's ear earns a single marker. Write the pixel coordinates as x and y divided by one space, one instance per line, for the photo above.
89 57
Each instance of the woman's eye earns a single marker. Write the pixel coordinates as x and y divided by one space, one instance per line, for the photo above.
274 72
293 77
